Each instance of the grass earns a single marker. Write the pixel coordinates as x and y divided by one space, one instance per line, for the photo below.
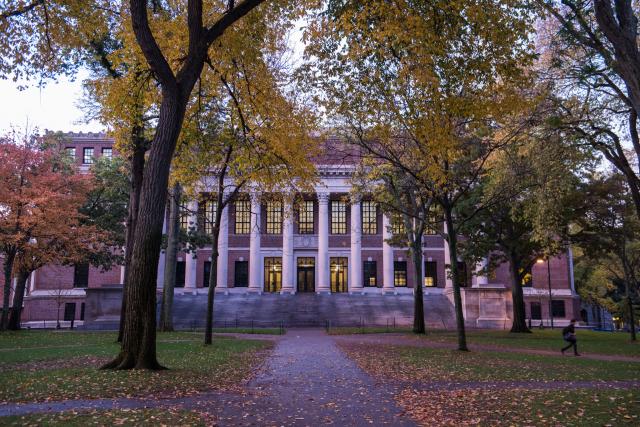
594 342
121 417
263 331
42 366
415 364
583 407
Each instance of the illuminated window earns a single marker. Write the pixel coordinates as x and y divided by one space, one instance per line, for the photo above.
400 273
369 217
107 152
430 274
274 217
305 217
369 273
433 222
527 277
208 208
184 218
338 217
272 274
339 274
87 156
397 226
243 216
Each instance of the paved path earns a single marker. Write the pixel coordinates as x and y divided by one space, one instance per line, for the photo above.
307 381
414 341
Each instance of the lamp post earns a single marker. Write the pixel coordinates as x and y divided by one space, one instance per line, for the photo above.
540 261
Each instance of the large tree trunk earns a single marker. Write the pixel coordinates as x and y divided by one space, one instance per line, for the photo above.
18 297
137 169
418 302
452 240
632 317
519 315
10 256
166 310
138 349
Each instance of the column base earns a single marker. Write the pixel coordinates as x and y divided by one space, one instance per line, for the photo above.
192 291
223 291
389 291
356 291
254 291
287 291
323 291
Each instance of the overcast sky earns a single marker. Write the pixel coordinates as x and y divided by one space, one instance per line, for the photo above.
52 107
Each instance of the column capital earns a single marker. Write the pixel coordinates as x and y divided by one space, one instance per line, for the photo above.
323 197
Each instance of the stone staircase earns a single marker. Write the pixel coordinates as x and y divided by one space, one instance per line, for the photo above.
271 310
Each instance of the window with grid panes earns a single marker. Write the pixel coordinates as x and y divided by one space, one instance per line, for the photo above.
87 156
274 217
338 217
184 218
243 216
369 217
433 222
400 273
305 217
107 152
397 226
209 215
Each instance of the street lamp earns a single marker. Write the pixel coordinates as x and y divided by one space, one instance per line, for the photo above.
540 261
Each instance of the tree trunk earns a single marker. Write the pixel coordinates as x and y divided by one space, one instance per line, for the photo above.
166 310
632 317
519 314
10 257
137 169
18 297
213 280
452 240
418 302
138 350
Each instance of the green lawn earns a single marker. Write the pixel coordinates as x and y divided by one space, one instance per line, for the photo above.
612 343
122 417
413 364
40 366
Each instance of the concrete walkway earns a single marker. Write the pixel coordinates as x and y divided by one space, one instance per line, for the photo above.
307 381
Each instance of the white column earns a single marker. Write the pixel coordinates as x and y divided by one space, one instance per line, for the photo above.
32 282
355 284
387 257
448 283
223 252
190 258
161 259
288 285
254 245
481 276
323 243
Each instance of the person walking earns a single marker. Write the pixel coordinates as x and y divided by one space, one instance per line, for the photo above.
569 335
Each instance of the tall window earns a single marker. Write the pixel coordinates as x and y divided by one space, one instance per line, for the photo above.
107 152
207 208
400 273
433 222
241 274
462 274
338 217
536 311
243 216
369 217
430 274
81 275
71 153
397 226
305 217
181 272
369 273
87 155
272 274
207 274
274 217
557 308
339 268
184 218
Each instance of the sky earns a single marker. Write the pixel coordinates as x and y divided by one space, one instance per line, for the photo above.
53 107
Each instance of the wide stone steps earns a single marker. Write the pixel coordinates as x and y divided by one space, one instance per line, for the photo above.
269 310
